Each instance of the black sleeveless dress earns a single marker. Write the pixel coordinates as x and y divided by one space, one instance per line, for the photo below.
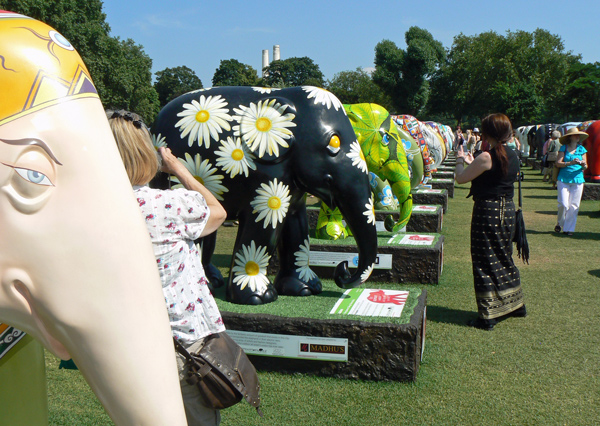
496 278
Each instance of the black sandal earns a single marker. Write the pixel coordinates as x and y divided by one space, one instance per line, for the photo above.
557 228
487 325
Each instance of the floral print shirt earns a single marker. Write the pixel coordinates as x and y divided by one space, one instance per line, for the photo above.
175 218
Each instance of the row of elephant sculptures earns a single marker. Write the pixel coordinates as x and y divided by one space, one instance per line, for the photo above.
261 150
77 270
533 137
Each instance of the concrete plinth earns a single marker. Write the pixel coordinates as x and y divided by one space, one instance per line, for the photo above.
376 351
447 184
431 196
591 191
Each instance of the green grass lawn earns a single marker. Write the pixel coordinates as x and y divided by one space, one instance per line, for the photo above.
539 370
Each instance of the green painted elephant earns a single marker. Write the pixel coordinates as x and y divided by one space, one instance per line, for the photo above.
382 147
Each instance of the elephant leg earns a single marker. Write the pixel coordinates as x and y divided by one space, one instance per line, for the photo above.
248 281
295 278
214 276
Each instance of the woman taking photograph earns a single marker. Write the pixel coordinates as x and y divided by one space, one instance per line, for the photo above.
175 218
571 162
492 175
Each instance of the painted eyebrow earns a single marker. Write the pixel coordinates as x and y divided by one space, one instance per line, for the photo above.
34 142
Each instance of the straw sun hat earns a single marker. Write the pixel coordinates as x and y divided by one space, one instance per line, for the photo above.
573 131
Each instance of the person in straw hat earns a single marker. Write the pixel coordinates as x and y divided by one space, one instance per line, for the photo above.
571 161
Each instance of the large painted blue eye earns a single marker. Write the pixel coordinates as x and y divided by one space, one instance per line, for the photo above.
386 139
60 40
34 177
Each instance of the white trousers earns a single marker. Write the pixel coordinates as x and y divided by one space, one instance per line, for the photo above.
569 198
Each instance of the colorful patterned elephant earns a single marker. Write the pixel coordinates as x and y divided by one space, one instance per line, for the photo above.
259 151
412 126
592 144
383 149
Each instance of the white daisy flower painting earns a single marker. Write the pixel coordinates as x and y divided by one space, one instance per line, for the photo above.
302 262
370 212
357 157
158 141
271 203
323 97
367 273
204 173
234 157
265 90
263 126
203 120
250 268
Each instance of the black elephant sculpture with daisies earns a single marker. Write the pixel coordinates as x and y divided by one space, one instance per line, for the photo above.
259 151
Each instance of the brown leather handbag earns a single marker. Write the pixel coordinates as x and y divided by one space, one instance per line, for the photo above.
222 372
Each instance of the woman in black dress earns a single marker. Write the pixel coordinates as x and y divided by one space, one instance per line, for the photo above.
492 175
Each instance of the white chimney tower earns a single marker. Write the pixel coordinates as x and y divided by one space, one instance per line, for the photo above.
276 54
265 60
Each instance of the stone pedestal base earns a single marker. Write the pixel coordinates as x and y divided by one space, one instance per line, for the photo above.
442 174
431 196
411 258
447 184
591 191
422 219
376 351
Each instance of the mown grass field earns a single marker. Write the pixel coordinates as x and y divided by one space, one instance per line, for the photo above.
539 370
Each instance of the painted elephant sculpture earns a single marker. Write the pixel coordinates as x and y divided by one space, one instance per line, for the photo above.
413 127
592 144
522 136
434 145
383 149
259 151
77 271
413 156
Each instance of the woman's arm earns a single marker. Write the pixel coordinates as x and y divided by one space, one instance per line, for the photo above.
217 213
477 166
560 160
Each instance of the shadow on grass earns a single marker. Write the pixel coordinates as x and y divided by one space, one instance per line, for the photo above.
549 212
594 214
595 273
449 316
223 260
542 197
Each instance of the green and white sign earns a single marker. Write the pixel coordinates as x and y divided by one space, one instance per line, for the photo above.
371 303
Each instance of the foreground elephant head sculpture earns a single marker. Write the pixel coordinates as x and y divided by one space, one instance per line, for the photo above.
76 265
259 151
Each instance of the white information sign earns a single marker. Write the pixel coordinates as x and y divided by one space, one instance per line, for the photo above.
424 208
289 346
328 258
412 240
371 303
430 191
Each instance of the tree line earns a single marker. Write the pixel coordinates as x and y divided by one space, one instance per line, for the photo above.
527 75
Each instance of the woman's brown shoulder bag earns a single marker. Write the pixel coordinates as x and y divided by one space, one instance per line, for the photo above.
223 373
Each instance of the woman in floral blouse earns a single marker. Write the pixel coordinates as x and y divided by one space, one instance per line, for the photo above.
175 218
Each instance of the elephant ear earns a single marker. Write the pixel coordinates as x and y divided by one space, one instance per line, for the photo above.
266 127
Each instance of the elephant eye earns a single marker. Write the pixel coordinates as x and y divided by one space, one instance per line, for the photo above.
334 144
34 176
386 139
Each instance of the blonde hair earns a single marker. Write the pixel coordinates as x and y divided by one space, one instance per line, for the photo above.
135 146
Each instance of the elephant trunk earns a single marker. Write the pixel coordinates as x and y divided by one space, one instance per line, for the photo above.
357 208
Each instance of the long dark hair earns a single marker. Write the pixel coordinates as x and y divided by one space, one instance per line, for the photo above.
498 127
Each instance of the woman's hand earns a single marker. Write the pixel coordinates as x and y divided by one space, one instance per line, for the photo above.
170 163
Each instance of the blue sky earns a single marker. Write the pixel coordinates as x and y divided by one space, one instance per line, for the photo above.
336 35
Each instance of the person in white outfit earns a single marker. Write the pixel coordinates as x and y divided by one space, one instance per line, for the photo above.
571 161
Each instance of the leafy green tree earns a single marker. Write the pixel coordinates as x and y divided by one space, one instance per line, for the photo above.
173 82
293 72
232 72
581 99
403 75
121 70
353 87
521 74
